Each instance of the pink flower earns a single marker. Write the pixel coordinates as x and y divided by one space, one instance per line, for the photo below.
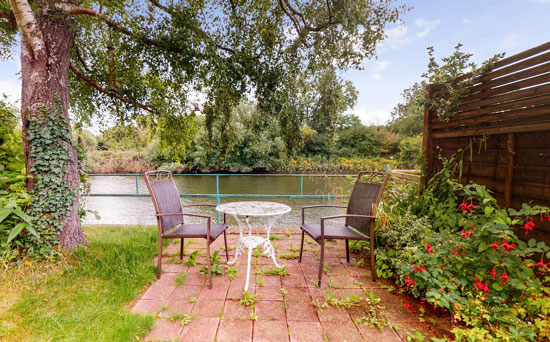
495 246
541 264
463 206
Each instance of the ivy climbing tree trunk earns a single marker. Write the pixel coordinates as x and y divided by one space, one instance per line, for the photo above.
46 40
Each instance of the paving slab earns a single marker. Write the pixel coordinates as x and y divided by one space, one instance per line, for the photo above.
299 315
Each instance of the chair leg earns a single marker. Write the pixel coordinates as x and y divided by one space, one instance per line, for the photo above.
209 266
373 261
301 247
347 251
226 250
159 258
321 261
181 249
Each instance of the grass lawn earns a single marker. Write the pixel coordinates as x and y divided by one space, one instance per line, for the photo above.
83 298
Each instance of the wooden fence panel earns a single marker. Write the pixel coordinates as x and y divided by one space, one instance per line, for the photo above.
502 128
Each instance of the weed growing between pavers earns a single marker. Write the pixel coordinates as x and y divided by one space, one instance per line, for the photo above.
290 255
215 266
370 303
184 319
249 300
232 272
192 259
281 271
259 280
180 278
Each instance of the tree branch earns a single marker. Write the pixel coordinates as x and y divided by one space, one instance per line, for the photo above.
28 27
292 18
161 6
105 91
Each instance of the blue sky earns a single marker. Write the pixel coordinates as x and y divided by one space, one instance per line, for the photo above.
484 27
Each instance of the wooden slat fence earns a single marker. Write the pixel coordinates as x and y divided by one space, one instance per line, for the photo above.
503 126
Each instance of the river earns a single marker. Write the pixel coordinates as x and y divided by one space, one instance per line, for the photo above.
140 210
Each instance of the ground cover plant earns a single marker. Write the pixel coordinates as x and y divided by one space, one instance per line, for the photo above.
454 246
82 298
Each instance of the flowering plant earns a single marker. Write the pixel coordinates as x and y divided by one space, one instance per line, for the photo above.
474 265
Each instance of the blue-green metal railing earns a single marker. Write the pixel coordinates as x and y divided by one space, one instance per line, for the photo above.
217 195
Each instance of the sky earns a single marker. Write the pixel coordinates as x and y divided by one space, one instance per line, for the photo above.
484 27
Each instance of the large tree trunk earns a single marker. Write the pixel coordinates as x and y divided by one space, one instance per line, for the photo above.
44 68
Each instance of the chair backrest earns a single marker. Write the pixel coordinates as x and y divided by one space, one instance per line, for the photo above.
165 197
367 191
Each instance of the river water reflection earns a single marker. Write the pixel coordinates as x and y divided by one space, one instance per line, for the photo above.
140 210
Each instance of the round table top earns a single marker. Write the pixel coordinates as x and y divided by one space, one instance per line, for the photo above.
253 208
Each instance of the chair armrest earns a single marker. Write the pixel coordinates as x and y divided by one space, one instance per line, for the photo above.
319 206
208 219
199 205
340 216
347 215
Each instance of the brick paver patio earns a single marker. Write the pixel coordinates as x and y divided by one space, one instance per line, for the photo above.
216 314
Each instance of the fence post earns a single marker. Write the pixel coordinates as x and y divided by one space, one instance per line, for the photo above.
301 185
427 142
218 197
137 185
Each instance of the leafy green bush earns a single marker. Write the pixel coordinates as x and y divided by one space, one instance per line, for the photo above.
14 198
470 262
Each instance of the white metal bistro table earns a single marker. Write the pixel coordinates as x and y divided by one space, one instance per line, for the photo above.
269 212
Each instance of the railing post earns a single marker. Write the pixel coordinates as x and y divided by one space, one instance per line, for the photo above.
301 185
218 196
137 185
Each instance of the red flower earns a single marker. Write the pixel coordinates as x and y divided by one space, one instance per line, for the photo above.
464 233
495 246
463 206
507 247
504 277
455 252
409 282
463 254
511 248
528 226
410 307
471 206
521 295
541 264
429 248
443 266
494 273
481 286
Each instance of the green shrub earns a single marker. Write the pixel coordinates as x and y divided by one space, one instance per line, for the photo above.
14 198
471 262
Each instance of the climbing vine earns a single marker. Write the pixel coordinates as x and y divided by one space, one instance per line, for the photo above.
457 74
52 197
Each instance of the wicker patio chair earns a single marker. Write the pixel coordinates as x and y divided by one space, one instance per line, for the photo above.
169 213
360 218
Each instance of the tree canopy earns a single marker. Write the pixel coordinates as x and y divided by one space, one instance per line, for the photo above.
134 58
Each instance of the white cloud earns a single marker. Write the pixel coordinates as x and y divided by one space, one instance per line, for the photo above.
396 37
12 90
379 67
375 117
426 26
